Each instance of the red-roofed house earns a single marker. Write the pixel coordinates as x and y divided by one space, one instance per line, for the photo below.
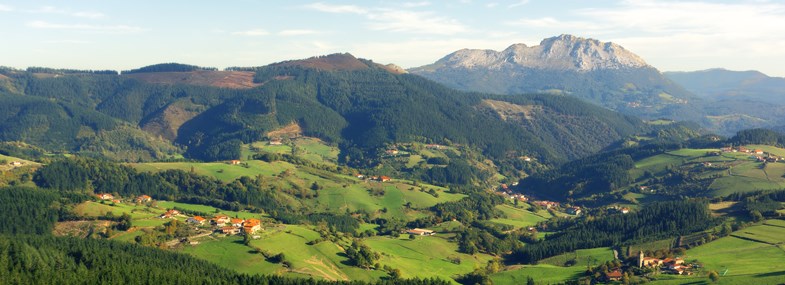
169 214
219 220
237 222
105 196
252 225
420 232
230 230
143 199
196 220
614 275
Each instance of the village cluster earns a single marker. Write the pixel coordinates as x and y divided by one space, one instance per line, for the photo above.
505 191
758 154
222 223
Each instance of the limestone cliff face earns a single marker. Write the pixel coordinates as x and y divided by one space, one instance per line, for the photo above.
564 52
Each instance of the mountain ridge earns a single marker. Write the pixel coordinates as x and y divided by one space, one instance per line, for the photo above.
602 73
583 55
335 98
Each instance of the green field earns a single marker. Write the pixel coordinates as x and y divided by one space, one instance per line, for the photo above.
396 195
96 209
426 256
763 233
657 163
541 273
518 217
230 252
312 149
220 170
776 223
746 261
583 257
691 152
744 173
207 209
324 260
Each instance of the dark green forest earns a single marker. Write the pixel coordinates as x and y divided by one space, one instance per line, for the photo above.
359 110
655 221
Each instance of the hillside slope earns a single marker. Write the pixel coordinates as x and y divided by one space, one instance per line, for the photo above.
354 103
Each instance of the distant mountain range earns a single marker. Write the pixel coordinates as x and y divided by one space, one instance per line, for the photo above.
723 84
600 72
606 74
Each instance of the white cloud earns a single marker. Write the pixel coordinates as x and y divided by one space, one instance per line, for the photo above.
682 35
416 4
89 14
398 20
85 27
4 8
491 5
296 32
336 8
417 52
252 33
549 22
519 3
414 22
66 42
79 14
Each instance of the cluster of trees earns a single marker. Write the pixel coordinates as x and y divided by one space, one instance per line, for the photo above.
30 210
477 206
167 67
361 255
655 221
759 204
35 69
758 136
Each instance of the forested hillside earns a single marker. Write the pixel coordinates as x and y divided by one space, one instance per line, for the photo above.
356 104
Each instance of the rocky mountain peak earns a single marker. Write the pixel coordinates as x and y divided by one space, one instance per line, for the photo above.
564 52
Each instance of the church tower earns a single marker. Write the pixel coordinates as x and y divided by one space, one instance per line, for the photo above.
640 259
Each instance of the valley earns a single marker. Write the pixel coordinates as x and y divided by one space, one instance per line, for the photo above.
338 170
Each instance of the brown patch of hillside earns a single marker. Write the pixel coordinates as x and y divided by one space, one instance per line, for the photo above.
45 75
168 121
510 111
291 130
394 69
80 229
224 79
3 77
333 62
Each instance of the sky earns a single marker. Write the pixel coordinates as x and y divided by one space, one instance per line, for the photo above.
120 35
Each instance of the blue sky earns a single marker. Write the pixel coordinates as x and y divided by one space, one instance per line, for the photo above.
670 35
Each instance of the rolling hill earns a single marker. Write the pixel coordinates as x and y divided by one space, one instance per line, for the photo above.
353 103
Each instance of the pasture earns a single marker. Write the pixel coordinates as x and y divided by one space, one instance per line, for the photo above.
582 257
219 170
425 256
541 273
518 217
